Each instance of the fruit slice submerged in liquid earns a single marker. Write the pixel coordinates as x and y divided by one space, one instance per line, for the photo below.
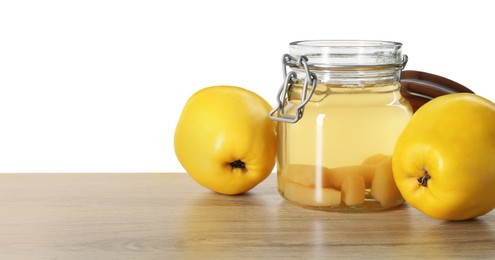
353 190
308 196
383 187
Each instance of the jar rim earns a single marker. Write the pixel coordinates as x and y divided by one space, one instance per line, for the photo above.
348 53
345 43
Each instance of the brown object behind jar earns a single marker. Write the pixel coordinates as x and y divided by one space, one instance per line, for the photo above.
420 87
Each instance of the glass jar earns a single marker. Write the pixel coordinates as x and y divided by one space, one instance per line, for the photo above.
339 115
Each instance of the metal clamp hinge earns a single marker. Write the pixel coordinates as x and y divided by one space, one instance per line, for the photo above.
283 92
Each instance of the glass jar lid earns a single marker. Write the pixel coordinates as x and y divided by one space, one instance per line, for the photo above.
329 54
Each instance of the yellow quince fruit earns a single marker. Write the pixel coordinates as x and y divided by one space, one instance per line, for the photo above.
444 160
225 140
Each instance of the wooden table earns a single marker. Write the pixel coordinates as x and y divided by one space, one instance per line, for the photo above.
169 216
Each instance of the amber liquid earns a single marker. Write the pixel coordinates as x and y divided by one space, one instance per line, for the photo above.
340 128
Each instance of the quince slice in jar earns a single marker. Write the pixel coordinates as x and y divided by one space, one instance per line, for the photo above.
383 187
353 190
308 196
307 175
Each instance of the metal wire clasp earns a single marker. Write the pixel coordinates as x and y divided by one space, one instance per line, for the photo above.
283 92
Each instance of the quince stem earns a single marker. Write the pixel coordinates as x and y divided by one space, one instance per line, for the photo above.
423 180
238 164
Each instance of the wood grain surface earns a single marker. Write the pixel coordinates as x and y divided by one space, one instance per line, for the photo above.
169 216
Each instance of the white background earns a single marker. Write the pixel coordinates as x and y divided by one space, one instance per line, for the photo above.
98 86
